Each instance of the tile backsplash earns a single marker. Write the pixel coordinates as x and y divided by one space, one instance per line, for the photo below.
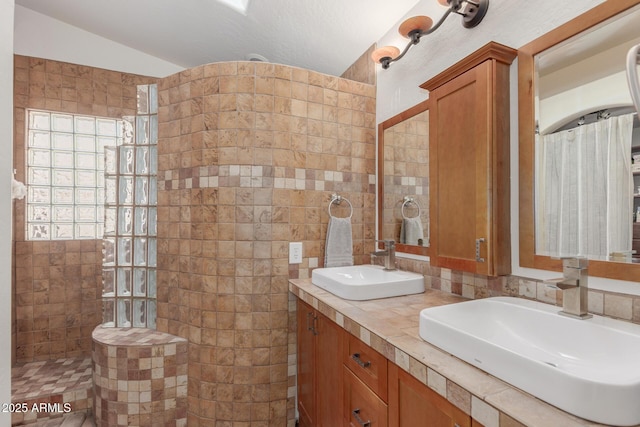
620 306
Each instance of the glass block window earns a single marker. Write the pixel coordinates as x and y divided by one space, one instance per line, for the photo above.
65 174
130 225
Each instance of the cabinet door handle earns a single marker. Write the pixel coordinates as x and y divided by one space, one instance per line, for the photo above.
356 357
311 323
356 415
478 242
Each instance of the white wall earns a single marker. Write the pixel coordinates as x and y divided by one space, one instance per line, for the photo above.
510 22
43 37
6 169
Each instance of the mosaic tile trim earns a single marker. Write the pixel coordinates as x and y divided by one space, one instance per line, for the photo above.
279 177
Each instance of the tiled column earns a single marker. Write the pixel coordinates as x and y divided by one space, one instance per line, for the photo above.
249 155
140 378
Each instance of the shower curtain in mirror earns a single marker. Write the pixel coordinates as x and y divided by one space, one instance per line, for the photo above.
584 190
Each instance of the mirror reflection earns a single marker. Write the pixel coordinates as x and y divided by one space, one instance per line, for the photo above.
404 172
587 145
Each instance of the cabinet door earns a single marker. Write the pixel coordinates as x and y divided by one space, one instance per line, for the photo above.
329 353
413 404
469 173
306 365
458 139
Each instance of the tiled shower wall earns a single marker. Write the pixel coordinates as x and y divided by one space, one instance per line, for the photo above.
249 155
57 284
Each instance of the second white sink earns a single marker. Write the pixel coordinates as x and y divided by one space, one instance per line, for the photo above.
586 367
365 282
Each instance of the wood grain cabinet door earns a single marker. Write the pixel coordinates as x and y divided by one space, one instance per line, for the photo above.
469 164
319 363
306 363
413 404
329 353
458 138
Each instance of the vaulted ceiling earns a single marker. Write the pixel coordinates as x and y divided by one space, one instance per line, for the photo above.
321 35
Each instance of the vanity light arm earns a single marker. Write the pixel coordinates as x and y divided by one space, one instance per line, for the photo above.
415 36
472 11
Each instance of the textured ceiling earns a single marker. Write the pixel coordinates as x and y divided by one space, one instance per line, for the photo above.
321 35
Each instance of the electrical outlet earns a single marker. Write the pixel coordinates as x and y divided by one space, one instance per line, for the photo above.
295 252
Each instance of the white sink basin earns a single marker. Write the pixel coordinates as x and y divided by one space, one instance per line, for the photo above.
365 282
590 368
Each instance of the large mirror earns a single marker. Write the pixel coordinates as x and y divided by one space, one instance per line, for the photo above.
578 136
403 179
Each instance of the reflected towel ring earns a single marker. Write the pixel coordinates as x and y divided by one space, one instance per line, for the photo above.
337 200
408 200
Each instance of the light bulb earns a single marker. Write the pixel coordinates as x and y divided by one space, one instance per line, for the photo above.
445 3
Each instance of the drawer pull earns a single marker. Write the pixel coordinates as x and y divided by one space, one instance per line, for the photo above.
356 415
356 357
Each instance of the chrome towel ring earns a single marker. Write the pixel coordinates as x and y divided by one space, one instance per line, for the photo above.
407 201
337 199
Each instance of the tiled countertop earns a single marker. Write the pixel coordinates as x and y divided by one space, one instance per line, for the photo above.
390 326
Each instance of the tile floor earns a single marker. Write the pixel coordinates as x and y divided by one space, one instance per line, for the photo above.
64 384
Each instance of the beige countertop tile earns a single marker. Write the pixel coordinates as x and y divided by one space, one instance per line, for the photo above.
390 325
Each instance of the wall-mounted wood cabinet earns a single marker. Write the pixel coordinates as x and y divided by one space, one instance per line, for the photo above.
469 163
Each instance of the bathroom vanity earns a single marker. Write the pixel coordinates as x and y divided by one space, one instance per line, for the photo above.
396 375
344 381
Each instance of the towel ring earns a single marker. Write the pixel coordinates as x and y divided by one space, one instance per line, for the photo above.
337 200
408 200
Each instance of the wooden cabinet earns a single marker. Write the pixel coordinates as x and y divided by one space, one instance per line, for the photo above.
469 163
344 382
320 364
412 403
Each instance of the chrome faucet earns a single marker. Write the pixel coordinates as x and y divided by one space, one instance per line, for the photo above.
389 254
574 285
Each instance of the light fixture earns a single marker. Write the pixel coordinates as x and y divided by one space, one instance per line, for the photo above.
472 11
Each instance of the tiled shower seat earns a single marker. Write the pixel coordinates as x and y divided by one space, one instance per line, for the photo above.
140 377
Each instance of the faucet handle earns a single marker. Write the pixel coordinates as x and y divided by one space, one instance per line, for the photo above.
576 262
579 263
561 283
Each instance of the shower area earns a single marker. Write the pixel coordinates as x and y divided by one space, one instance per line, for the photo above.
178 312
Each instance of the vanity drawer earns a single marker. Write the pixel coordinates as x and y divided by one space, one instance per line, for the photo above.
367 364
362 407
